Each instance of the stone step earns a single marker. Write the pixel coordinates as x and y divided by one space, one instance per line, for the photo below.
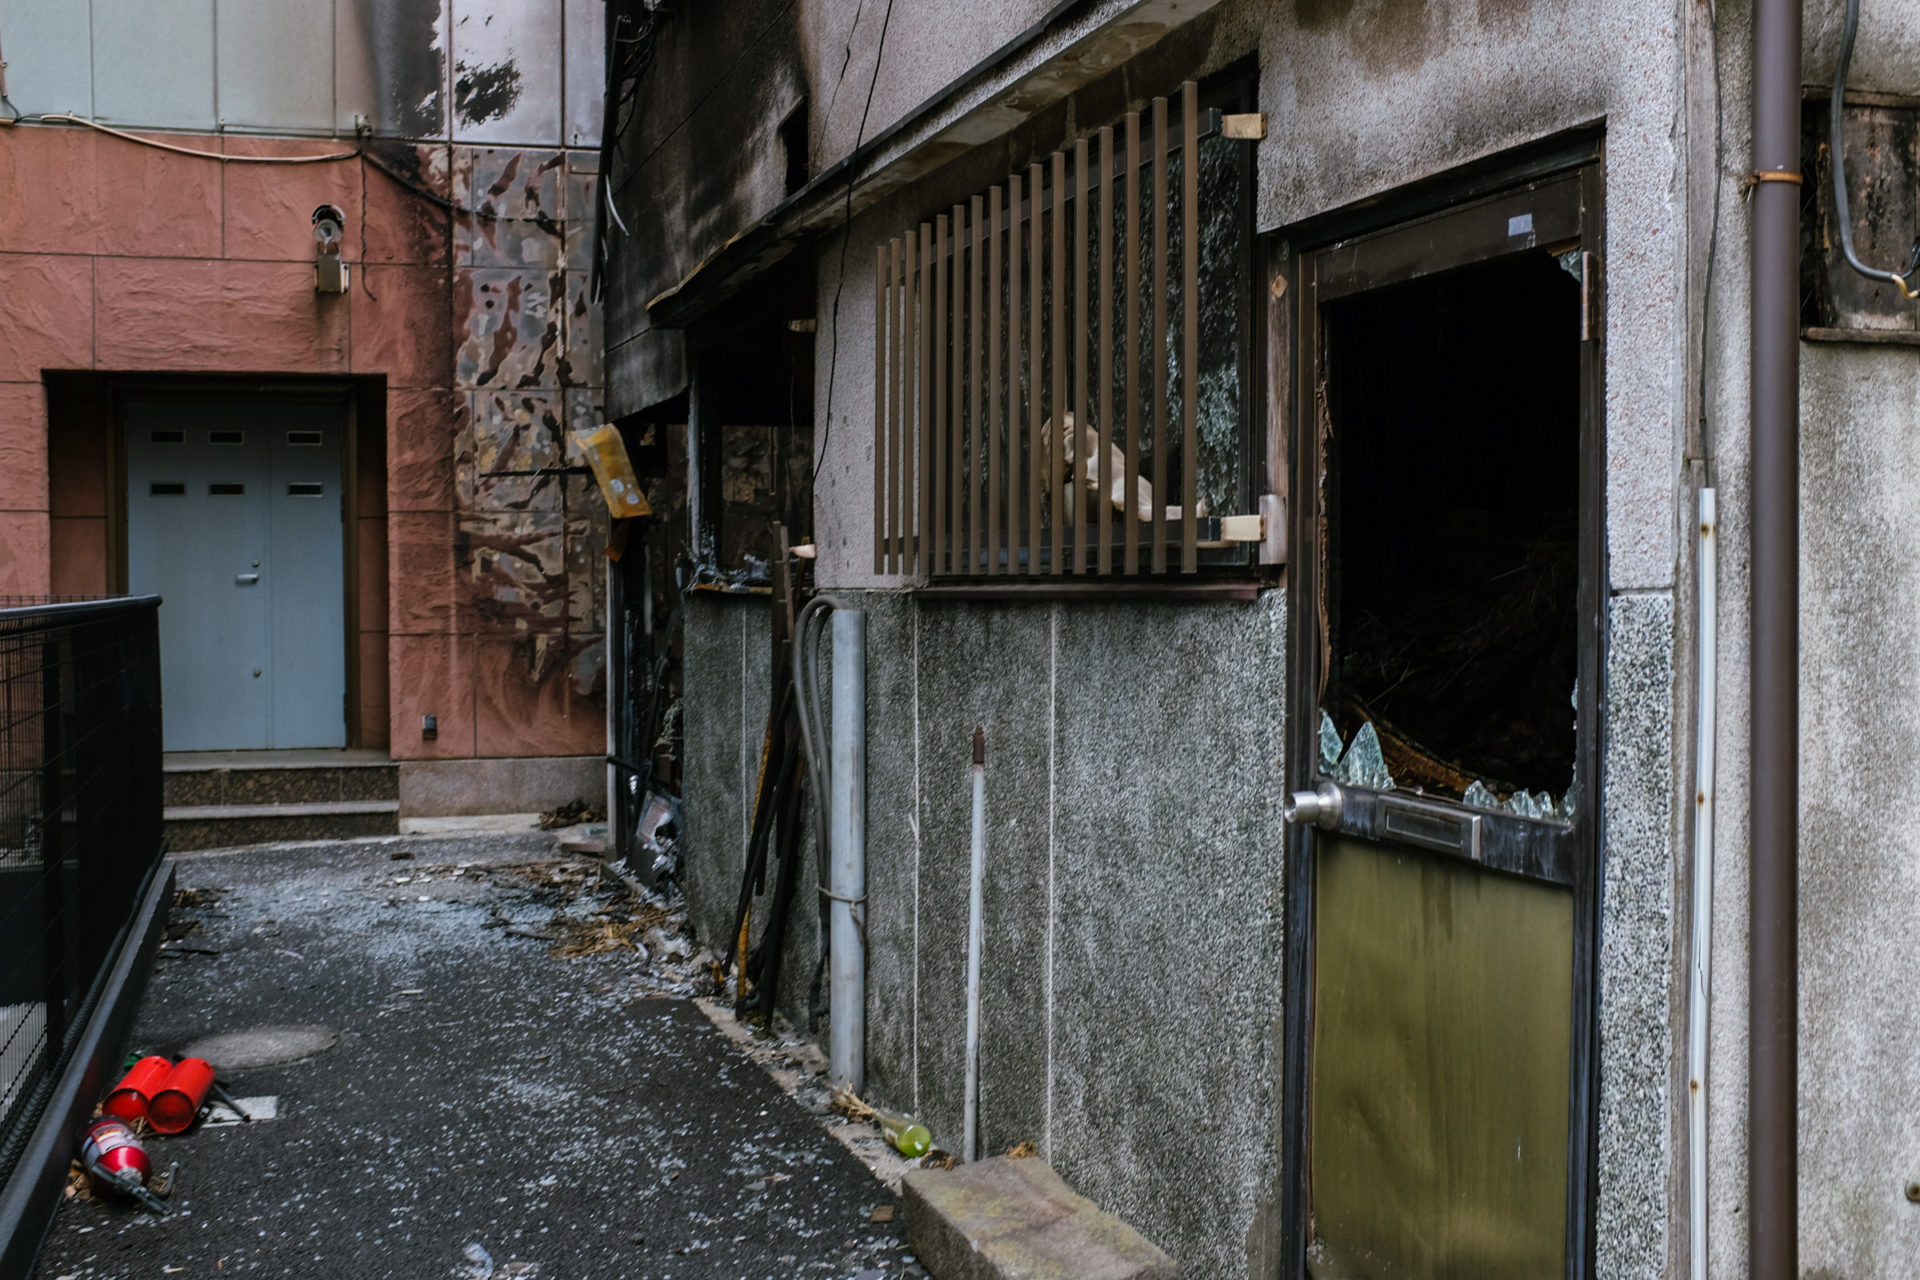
218 826
202 786
1006 1219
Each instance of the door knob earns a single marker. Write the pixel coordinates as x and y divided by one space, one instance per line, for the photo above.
245 579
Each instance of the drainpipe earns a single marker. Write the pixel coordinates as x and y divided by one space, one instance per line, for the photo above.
1773 784
847 818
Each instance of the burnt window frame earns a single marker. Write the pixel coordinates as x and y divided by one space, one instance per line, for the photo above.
1419 231
1234 570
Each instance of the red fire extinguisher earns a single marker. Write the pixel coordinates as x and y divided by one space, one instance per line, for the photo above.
115 1160
131 1097
174 1108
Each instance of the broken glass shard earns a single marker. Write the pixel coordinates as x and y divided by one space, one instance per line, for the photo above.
1330 746
1479 796
1364 765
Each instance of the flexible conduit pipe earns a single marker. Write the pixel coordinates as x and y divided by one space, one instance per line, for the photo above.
1699 1011
836 754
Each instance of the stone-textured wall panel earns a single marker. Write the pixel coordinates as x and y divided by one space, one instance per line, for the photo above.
1859 854
400 325
24 484
513 570
517 198
1170 846
519 430
1638 1038
423 430
724 712
420 567
528 699
894 907
47 322
986 667
511 323
432 675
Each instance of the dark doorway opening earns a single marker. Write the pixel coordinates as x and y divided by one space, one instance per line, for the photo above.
1453 498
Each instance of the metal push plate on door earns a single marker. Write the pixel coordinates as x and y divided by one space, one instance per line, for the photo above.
1444 830
245 579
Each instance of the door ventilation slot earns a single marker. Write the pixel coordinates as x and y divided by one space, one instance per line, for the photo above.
226 490
226 437
303 437
166 489
168 437
305 489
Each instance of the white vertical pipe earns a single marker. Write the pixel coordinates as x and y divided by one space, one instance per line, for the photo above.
1698 1013
970 1122
847 836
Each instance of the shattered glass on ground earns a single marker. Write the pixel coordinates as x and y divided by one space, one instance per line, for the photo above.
520 1087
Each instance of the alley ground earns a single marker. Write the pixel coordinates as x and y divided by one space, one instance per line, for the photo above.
490 1109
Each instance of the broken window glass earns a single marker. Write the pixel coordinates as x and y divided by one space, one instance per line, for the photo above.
1452 530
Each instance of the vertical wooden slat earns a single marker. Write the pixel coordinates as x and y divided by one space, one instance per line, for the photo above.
897 366
937 529
1081 505
1190 324
923 440
1014 417
977 420
956 410
1036 456
1103 540
882 296
1162 429
1054 440
996 404
1130 377
909 401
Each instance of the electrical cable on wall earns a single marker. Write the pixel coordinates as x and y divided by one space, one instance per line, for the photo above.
1835 117
846 225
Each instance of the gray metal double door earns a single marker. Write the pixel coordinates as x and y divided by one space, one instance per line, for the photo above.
236 518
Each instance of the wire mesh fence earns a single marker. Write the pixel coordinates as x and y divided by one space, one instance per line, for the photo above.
80 814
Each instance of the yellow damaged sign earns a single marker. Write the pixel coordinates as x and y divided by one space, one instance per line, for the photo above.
607 455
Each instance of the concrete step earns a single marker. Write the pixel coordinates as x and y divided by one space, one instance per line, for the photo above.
1005 1219
230 778
216 826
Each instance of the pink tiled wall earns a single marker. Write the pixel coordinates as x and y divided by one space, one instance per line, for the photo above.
481 563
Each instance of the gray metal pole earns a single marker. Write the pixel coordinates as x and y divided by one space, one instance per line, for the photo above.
847 834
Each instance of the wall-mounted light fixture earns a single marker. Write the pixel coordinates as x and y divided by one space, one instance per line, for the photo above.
329 268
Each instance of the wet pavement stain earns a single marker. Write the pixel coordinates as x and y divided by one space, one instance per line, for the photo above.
490 1109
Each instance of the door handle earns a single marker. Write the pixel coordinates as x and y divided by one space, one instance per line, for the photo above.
245 579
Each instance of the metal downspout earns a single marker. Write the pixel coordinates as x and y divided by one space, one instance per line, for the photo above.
1773 1165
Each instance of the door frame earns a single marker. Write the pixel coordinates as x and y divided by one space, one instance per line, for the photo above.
347 392
1380 243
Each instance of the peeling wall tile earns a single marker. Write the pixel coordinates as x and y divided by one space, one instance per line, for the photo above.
517 492
586 574
516 431
580 366
518 201
512 570
510 324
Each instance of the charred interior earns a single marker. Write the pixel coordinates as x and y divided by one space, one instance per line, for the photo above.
1452 504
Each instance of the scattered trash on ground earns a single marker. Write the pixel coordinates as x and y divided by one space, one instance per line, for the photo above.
1023 1151
572 814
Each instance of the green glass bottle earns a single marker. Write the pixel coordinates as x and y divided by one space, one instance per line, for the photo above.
908 1136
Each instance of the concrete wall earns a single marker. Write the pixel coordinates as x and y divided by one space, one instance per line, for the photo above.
481 573
1364 97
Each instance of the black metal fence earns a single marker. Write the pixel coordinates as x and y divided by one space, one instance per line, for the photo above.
80 834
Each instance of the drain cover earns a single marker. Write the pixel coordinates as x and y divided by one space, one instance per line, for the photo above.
262 1046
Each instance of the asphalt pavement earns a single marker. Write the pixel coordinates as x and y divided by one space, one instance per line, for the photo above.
510 1089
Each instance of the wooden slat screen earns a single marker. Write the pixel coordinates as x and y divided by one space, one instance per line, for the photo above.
994 329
